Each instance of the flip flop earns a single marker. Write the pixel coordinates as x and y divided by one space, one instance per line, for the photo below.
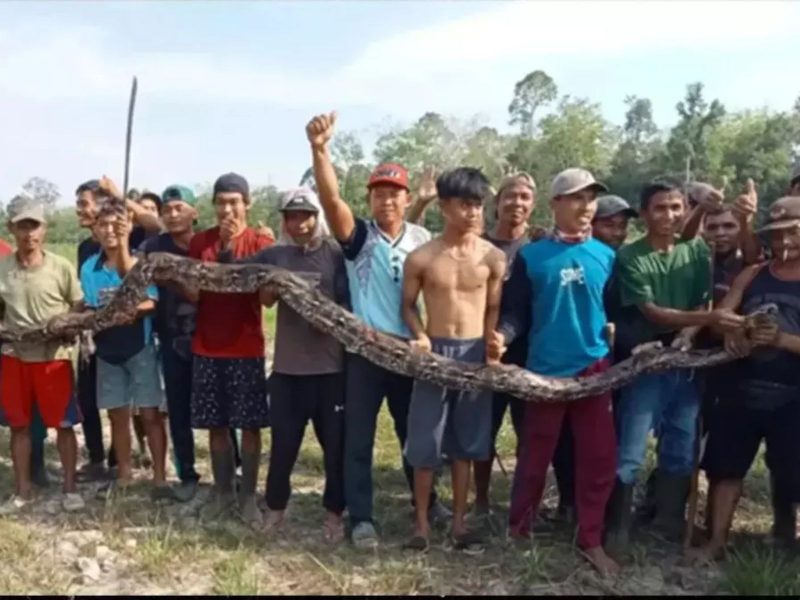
417 544
470 543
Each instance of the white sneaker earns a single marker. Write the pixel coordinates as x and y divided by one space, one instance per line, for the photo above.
73 502
13 505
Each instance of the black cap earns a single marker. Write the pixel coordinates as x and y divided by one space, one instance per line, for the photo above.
148 195
231 182
610 205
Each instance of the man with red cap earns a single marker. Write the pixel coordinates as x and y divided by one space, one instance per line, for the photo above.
374 251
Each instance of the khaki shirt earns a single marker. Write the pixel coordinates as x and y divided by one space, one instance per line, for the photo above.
31 297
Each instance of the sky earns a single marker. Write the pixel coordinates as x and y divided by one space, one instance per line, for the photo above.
229 86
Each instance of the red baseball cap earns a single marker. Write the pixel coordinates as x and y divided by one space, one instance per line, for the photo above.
389 173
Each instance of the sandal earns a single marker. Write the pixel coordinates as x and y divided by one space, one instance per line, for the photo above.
470 543
417 544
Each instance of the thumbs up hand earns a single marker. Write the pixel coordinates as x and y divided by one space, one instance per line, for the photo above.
746 204
320 129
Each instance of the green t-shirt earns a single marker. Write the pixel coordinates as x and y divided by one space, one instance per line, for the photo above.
31 297
676 279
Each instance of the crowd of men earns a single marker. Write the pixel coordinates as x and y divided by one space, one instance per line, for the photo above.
563 302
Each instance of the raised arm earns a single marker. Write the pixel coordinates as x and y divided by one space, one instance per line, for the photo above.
340 218
125 260
147 220
426 194
744 209
494 292
412 284
144 218
711 201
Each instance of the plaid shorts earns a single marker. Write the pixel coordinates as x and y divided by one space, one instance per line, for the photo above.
229 392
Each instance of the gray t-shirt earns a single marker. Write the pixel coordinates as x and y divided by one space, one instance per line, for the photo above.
300 349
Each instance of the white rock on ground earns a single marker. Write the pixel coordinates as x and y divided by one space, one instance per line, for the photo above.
67 551
104 553
89 568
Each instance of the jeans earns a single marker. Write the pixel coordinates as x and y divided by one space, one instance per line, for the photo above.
177 384
365 389
667 402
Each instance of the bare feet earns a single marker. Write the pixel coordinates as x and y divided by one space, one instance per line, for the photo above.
274 521
602 562
333 529
707 553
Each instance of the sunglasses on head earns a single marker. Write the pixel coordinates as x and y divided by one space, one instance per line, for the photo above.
397 270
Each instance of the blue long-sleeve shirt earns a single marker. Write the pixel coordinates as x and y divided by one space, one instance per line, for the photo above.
555 297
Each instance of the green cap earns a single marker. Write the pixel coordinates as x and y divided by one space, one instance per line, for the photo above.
178 192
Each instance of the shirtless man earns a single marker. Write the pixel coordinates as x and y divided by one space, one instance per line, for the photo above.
460 276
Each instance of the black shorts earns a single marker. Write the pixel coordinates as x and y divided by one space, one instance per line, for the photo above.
736 434
229 392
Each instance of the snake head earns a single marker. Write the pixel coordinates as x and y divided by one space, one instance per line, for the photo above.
765 315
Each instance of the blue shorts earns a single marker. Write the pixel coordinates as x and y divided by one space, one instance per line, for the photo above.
449 423
135 383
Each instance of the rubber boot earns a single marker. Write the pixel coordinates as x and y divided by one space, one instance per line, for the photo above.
671 492
248 503
646 512
619 518
784 525
223 497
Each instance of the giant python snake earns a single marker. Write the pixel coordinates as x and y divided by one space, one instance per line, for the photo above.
356 337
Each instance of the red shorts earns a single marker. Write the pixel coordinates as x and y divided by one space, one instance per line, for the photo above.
49 384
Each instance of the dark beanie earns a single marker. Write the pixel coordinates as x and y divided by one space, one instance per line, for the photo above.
231 182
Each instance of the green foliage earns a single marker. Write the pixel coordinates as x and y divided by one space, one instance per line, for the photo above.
43 190
689 140
535 90
706 144
754 571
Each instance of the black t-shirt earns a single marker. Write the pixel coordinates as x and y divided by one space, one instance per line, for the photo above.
770 376
517 352
175 315
768 362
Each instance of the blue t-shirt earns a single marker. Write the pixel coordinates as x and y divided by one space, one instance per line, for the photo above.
116 344
375 273
560 286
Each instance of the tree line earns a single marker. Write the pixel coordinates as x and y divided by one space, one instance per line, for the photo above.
552 132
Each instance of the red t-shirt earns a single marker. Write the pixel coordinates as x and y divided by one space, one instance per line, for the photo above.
5 249
228 325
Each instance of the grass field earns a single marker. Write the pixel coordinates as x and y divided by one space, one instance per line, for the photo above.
130 546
